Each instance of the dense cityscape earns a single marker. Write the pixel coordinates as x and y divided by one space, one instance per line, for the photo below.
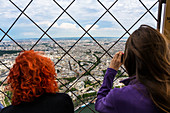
80 78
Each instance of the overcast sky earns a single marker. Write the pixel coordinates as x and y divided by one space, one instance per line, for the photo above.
86 12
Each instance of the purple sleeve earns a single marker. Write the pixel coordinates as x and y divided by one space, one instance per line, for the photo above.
104 103
1 107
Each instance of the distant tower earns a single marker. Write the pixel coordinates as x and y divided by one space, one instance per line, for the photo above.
54 45
70 65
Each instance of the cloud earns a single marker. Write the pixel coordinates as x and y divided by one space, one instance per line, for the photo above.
46 23
86 12
107 32
67 26
93 28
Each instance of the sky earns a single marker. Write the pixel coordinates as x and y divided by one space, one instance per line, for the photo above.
85 12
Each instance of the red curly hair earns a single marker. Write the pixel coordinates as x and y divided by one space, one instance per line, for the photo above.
31 76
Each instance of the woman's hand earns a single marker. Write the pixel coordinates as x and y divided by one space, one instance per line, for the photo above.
116 61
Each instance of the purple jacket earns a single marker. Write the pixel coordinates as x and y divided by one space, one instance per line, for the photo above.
132 98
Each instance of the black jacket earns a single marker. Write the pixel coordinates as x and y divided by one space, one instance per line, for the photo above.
47 103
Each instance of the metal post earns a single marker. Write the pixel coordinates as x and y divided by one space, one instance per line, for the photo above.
159 13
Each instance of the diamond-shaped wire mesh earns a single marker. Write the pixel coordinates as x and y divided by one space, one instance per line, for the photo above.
80 63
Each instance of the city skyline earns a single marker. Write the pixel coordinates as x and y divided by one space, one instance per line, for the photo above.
82 76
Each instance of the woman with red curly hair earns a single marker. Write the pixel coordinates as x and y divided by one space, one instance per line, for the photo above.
33 86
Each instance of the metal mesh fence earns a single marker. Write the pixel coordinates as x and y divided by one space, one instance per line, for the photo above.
80 62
